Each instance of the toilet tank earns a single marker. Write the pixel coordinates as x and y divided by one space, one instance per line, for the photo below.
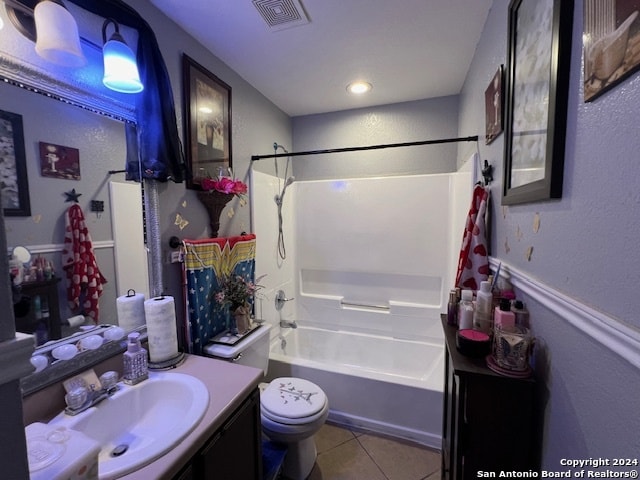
252 349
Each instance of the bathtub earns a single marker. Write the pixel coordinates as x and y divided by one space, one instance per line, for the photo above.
376 383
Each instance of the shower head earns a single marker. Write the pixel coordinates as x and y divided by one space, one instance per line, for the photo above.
287 182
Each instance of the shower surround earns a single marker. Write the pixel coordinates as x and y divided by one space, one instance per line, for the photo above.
369 263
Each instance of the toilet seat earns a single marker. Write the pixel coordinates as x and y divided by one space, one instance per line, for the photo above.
293 401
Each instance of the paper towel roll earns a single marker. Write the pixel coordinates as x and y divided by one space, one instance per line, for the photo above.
130 310
162 331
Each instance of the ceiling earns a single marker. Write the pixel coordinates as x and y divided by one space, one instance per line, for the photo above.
407 49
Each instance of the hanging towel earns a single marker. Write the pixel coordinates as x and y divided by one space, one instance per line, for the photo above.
473 265
84 280
206 261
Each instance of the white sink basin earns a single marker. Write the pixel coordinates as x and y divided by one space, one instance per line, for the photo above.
145 420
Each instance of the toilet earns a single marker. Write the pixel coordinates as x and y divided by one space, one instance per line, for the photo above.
292 409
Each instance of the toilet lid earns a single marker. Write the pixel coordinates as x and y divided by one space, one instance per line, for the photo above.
290 397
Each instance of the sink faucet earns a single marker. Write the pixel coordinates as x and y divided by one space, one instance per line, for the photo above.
82 396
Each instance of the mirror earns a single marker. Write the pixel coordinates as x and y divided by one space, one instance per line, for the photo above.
94 125
97 145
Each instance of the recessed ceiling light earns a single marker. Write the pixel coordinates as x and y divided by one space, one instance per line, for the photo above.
359 87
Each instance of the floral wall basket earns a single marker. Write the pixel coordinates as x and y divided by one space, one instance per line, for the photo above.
214 202
215 195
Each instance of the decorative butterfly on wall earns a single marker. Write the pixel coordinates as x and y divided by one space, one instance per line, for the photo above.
181 222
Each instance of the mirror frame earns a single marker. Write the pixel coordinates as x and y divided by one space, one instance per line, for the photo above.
554 88
83 360
28 76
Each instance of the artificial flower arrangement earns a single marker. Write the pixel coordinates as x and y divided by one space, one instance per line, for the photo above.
224 185
235 292
215 193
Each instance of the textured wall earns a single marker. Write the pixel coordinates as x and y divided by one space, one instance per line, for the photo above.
256 125
398 123
585 248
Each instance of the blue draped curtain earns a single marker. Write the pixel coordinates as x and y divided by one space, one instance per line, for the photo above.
160 150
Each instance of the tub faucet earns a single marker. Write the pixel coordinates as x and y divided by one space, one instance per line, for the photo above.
281 298
288 324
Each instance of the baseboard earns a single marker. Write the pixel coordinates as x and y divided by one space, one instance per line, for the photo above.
366 424
614 335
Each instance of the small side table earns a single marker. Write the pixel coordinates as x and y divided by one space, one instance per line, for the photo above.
46 293
488 420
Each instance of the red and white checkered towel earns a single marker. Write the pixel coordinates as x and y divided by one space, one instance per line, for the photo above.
84 280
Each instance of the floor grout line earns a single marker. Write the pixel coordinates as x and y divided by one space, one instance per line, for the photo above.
372 459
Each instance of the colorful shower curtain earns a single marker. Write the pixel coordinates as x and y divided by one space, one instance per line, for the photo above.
473 265
206 261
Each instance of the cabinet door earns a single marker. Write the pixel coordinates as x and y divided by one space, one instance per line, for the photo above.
235 451
186 474
451 434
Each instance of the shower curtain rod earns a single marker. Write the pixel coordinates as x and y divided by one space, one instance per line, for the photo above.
370 147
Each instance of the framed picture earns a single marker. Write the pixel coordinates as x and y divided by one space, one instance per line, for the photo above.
58 161
611 41
493 106
13 166
207 118
539 50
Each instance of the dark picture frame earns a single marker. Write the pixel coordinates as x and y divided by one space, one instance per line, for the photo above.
494 106
537 76
207 122
611 36
13 166
58 161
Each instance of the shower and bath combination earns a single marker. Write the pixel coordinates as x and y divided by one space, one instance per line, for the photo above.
351 349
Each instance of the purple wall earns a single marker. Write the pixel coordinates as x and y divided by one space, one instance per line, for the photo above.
584 249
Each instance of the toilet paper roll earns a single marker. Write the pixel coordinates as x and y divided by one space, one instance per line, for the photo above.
162 331
130 310
76 321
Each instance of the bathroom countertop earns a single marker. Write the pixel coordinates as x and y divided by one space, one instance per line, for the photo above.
228 384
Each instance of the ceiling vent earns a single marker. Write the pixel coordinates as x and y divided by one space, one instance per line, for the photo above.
281 14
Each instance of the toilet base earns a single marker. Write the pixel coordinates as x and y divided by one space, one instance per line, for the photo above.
300 459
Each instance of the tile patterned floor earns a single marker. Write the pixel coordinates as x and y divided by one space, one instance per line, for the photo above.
351 455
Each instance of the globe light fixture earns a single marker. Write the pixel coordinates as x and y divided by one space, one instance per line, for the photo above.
120 66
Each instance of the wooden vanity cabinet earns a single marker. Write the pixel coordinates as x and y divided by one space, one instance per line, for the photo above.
488 419
234 452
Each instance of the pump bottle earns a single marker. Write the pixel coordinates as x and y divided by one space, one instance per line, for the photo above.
135 361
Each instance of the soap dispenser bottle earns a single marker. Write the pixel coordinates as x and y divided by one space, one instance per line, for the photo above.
135 361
